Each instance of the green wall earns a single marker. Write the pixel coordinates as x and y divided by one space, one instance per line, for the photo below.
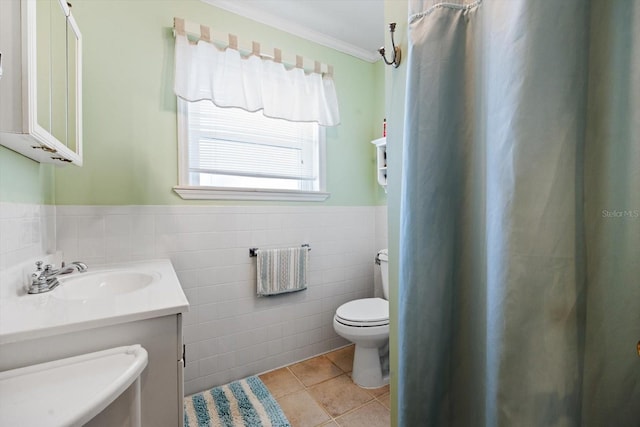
379 115
23 180
130 143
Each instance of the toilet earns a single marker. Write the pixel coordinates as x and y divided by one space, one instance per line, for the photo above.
365 322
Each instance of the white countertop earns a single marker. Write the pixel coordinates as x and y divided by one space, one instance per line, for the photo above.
25 317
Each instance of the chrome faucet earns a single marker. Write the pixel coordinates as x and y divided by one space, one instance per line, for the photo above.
45 280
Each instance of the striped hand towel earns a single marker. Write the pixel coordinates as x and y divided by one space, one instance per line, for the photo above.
282 270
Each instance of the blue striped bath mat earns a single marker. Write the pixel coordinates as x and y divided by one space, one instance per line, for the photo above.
244 403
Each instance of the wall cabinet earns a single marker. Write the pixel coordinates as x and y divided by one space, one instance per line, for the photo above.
41 81
381 161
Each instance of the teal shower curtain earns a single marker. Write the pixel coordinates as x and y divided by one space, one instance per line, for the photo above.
519 287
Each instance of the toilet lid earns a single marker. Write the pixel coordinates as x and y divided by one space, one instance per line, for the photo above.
367 311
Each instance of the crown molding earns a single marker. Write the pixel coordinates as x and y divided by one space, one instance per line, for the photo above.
271 20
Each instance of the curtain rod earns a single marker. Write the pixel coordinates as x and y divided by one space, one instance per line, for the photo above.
202 32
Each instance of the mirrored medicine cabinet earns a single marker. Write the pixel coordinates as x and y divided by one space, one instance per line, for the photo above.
41 80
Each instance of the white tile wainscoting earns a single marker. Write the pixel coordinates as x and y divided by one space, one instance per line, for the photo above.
229 332
26 232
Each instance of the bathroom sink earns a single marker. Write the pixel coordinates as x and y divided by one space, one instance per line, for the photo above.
102 296
104 284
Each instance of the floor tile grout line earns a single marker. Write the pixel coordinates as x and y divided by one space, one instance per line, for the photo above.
381 402
325 380
335 419
320 405
295 376
345 413
306 388
354 409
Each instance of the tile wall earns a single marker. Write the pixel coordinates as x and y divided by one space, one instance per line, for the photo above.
26 232
229 332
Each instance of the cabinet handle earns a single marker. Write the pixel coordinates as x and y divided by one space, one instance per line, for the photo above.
44 148
62 159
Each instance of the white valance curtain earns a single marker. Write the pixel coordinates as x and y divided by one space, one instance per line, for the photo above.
252 83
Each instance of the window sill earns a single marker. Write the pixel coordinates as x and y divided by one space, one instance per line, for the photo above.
218 193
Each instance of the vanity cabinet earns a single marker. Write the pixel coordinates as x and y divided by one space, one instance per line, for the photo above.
381 161
41 80
161 381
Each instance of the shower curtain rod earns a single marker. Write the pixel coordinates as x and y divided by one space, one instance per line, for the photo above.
202 32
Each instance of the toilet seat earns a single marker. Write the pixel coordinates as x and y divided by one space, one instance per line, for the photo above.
366 312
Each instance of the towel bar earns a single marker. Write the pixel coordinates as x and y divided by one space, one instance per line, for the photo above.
253 252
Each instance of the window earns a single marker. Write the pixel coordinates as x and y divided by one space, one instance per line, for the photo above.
230 153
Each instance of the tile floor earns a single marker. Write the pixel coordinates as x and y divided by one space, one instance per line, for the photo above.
320 392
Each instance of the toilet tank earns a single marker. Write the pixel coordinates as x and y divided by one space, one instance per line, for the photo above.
383 259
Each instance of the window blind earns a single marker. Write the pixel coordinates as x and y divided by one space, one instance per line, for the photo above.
231 142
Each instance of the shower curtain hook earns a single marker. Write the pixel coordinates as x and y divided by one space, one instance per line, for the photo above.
397 54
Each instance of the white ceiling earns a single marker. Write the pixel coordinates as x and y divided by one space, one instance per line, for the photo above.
355 27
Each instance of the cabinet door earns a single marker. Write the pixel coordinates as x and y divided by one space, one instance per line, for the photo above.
161 388
65 73
57 72
49 41
11 90
50 92
181 393
74 88
44 18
